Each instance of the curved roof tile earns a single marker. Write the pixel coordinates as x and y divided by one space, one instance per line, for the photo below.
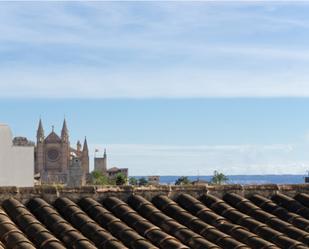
231 222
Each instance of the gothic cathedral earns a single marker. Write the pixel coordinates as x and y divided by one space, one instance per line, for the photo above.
57 162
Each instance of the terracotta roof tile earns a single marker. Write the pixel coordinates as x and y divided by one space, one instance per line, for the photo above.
181 222
11 235
58 225
261 229
171 208
247 207
80 220
169 225
35 231
303 199
291 204
207 215
114 225
141 225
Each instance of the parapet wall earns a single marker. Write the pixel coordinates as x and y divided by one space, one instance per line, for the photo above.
50 193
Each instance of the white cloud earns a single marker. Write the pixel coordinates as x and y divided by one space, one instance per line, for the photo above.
143 159
145 50
85 83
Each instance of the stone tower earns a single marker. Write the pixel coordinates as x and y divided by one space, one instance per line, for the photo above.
78 147
85 158
100 163
39 156
76 176
65 146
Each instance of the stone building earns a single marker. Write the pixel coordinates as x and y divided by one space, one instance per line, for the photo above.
112 172
54 156
154 180
22 141
16 159
100 164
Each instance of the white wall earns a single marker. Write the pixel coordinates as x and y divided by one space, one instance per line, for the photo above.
16 162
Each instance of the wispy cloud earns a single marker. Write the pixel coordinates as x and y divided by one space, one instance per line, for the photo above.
95 83
146 159
153 49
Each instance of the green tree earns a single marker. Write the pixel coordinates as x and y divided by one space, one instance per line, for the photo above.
120 179
133 181
183 180
219 178
97 178
142 181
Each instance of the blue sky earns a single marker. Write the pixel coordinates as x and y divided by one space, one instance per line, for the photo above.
170 88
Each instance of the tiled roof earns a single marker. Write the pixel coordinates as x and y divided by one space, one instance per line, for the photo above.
181 222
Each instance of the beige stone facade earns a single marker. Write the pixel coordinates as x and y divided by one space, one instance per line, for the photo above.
100 163
154 180
54 156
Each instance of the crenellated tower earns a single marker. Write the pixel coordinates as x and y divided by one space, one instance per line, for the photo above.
100 163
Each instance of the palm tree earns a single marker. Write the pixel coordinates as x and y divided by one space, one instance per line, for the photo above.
133 181
142 181
219 178
120 179
183 180
98 178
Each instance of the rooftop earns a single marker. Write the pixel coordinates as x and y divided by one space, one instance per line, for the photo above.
231 216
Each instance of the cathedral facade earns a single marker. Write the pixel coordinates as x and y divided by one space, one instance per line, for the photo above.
56 161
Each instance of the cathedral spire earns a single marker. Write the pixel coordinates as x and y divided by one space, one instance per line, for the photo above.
64 131
40 131
85 146
85 158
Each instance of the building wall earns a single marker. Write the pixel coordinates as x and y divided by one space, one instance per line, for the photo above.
100 164
85 162
76 174
16 162
112 172
51 193
154 180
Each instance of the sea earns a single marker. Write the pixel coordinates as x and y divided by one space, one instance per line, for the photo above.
243 179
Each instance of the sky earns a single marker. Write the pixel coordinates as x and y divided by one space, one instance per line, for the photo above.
169 88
